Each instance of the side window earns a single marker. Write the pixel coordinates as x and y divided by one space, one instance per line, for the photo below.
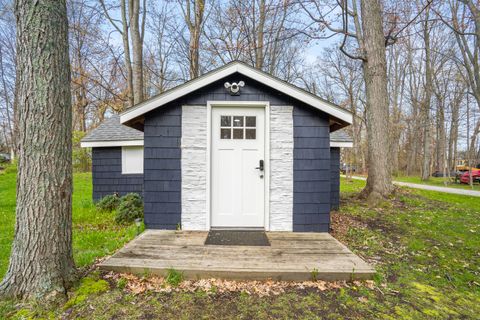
132 160
238 127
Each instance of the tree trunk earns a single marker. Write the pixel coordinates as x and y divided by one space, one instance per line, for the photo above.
379 182
195 29
9 134
259 56
137 48
441 139
453 137
427 101
126 53
41 263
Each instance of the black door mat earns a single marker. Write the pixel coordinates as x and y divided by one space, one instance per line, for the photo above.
237 238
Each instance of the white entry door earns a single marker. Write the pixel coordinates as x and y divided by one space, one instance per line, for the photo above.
238 167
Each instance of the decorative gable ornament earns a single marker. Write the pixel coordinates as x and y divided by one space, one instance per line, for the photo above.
234 88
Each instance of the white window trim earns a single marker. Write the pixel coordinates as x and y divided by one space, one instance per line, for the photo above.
138 167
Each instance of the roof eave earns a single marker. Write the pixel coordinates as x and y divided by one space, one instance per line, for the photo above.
111 143
341 144
184 89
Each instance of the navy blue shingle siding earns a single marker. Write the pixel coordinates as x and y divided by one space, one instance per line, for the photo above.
335 178
162 168
311 170
107 174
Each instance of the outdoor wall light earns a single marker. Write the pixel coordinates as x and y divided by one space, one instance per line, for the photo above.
234 87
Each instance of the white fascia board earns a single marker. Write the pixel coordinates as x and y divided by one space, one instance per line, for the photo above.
296 93
247 71
338 144
124 143
173 94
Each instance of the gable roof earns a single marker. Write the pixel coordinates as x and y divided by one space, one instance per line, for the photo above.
340 138
111 133
246 70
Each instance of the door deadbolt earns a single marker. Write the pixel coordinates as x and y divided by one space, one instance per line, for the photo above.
260 165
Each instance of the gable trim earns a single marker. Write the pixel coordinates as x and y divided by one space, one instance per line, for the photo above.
339 144
124 143
225 71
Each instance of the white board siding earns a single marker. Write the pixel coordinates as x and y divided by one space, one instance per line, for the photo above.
281 168
194 168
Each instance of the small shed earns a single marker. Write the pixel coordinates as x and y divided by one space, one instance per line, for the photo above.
234 148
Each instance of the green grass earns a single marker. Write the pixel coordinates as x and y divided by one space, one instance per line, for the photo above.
427 245
94 233
436 181
424 246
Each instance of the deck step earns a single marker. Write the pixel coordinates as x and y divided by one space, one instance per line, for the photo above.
309 255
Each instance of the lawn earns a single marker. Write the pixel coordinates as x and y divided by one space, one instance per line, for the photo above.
436 181
433 181
425 246
94 233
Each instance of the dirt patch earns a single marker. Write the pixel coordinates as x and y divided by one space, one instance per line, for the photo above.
341 223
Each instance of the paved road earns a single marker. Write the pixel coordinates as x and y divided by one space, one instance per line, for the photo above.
464 192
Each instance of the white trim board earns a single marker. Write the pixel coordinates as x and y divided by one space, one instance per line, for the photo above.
338 144
225 71
122 143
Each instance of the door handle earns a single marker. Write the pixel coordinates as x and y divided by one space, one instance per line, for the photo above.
260 167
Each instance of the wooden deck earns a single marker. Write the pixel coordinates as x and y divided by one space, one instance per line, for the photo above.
291 256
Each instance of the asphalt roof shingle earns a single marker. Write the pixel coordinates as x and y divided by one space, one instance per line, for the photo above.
112 130
340 136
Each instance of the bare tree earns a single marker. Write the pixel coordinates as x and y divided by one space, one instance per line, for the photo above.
463 18
137 35
344 76
427 98
132 28
41 263
371 42
193 12
260 33
7 76
161 52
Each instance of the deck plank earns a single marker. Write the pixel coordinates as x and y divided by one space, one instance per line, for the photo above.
291 256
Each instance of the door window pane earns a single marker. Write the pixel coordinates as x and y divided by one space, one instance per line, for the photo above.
237 121
237 133
226 121
250 133
225 133
250 121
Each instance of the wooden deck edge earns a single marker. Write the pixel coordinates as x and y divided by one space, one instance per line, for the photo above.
281 275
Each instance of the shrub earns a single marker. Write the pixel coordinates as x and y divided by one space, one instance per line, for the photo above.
130 208
108 203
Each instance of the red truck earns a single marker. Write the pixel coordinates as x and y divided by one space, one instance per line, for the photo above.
465 177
